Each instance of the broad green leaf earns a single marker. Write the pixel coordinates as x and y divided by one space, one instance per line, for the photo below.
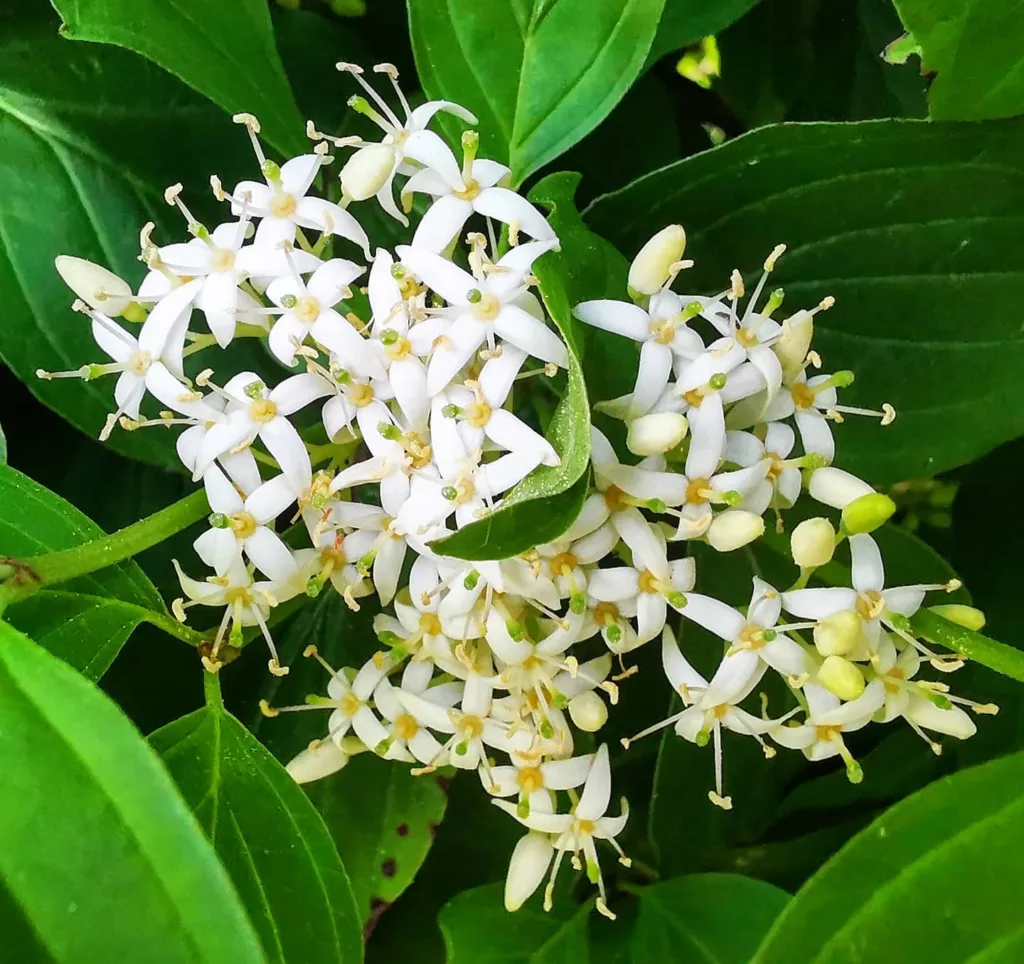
97 848
685 22
539 74
704 919
383 820
224 50
89 138
381 817
887 895
911 226
273 843
975 49
543 506
85 621
478 930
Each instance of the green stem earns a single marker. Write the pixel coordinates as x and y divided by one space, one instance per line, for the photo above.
211 690
57 567
980 649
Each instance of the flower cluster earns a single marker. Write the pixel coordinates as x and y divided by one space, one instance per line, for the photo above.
414 396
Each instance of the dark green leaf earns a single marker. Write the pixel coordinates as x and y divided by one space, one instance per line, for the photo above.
685 22
543 506
704 919
96 847
86 621
224 50
538 74
975 49
272 842
478 930
89 137
888 896
396 815
912 226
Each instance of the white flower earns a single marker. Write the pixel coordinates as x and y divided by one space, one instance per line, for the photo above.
576 832
284 202
525 781
309 309
662 332
780 487
484 307
254 412
409 740
401 136
242 525
458 193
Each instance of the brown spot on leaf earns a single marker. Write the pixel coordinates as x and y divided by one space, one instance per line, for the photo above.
402 830
444 783
389 868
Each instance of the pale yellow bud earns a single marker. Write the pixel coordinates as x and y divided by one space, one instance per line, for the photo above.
320 759
966 616
651 267
367 171
95 285
867 513
527 868
812 543
838 634
656 433
841 678
588 711
834 487
734 529
792 345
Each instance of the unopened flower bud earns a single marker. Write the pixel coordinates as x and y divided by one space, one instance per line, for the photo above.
867 513
838 634
367 171
966 616
841 678
95 285
651 267
321 759
656 433
588 711
812 543
834 487
734 529
527 868
792 345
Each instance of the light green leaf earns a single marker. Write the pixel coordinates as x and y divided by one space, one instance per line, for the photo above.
539 74
543 506
685 22
224 50
974 46
89 138
85 621
478 930
97 849
267 834
704 919
887 895
381 817
912 226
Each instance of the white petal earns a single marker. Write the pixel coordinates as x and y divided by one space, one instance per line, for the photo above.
527 868
524 331
651 378
270 555
815 433
508 432
325 216
317 762
614 585
651 610
648 550
620 317
328 282
431 151
677 669
387 568
513 265
736 675
449 281
818 603
442 222
498 375
298 391
868 572
286 446
598 788
220 493
506 206
218 548
707 437
715 616
463 339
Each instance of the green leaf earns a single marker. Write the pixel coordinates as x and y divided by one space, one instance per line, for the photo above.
396 813
478 930
887 894
383 821
523 521
267 834
85 621
89 137
539 75
912 226
685 22
704 919
224 50
974 47
97 849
